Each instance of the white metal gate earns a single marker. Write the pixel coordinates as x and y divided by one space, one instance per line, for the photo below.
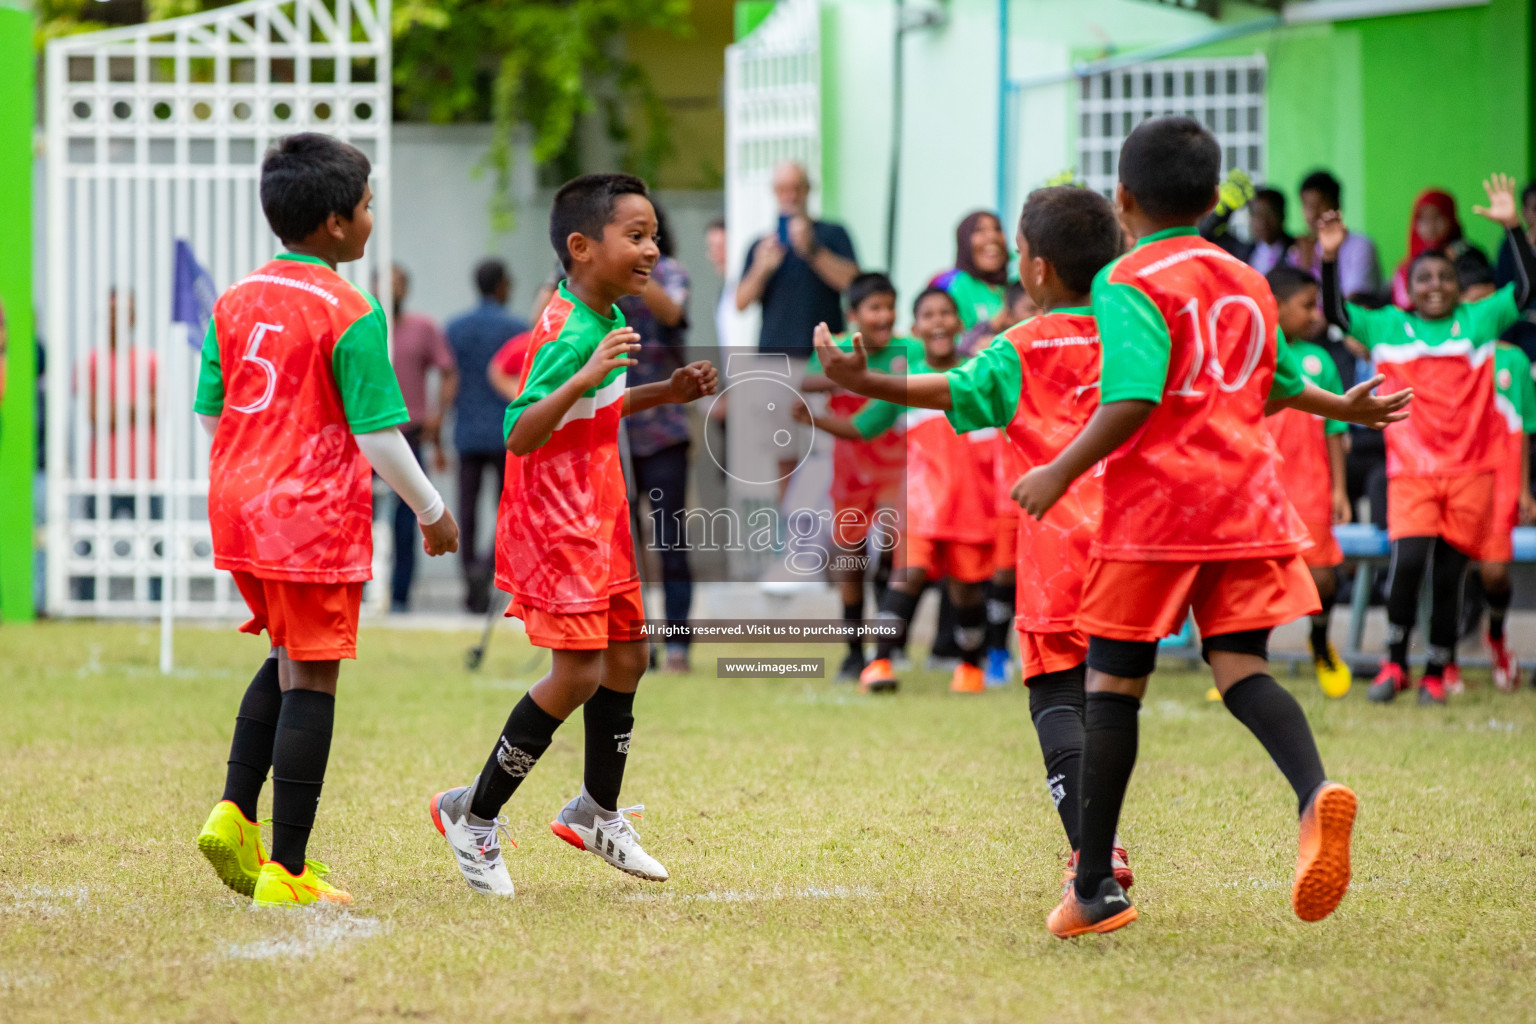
1224 94
772 114
156 133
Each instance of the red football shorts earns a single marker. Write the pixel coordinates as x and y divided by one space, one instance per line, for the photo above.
311 621
1458 508
622 622
1051 652
1005 552
955 559
1499 544
1324 552
855 508
1149 600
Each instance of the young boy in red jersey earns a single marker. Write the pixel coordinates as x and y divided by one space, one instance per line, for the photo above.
1008 467
867 476
949 530
1194 514
563 546
1038 382
1442 463
297 391
1312 463
1512 503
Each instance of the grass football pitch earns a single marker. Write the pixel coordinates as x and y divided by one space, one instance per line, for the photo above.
833 858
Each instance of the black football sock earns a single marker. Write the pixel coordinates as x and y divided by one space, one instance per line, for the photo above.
944 645
1410 556
1498 611
523 740
1319 636
971 631
250 749
896 609
610 720
1056 706
1000 612
1109 756
1447 575
852 615
1273 715
300 751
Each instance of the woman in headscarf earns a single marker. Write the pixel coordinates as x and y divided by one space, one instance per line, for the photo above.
1433 226
980 274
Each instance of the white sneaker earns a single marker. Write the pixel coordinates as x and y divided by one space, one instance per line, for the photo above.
475 841
585 826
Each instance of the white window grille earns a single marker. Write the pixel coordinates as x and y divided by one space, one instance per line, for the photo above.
1225 95
156 133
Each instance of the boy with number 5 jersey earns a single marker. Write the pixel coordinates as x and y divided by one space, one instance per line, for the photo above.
297 391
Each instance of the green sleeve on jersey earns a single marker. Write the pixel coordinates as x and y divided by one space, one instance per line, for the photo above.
370 394
1494 315
1370 327
210 378
553 364
984 391
1135 341
1329 380
1288 382
813 364
1522 387
876 418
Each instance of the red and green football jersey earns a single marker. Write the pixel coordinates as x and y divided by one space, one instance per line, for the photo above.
1193 329
1302 440
1515 403
563 542
1039 381
1007 468
949 475
1452 428
859 467
296 361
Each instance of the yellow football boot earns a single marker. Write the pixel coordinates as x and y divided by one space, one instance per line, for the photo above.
277 888
232 844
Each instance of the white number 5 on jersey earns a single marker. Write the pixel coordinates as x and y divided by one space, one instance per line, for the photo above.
265 365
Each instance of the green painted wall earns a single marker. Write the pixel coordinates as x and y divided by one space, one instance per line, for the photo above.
18 441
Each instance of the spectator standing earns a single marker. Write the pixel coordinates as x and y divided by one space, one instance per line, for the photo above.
475 338
1359 267
980 274
1432 227
658 437
420 348
797 274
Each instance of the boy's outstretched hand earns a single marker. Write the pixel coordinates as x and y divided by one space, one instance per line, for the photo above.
842 368
1374 411
441 537
1331 233
692 382
611 353
1501 208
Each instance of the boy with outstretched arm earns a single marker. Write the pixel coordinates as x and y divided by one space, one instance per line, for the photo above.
1038 382
1441 464
1312 453
563 545
948 532
1194 514
867 475
297 391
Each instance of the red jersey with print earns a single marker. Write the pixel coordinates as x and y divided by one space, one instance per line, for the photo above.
1189 327
563 541
1453 428
1302 440
949 476
296 360
860 467
1040 381
1515 404
1008 467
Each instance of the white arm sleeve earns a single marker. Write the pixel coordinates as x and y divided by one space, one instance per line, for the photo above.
391 458
210 423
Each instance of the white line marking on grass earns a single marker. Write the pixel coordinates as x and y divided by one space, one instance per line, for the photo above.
317 930
45 900
836 892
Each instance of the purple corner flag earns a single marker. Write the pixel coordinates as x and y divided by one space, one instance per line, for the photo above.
194 294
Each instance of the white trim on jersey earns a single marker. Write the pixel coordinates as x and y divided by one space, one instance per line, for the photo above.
1461 348
586 407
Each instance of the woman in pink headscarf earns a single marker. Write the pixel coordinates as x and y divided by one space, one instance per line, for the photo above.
1433 226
